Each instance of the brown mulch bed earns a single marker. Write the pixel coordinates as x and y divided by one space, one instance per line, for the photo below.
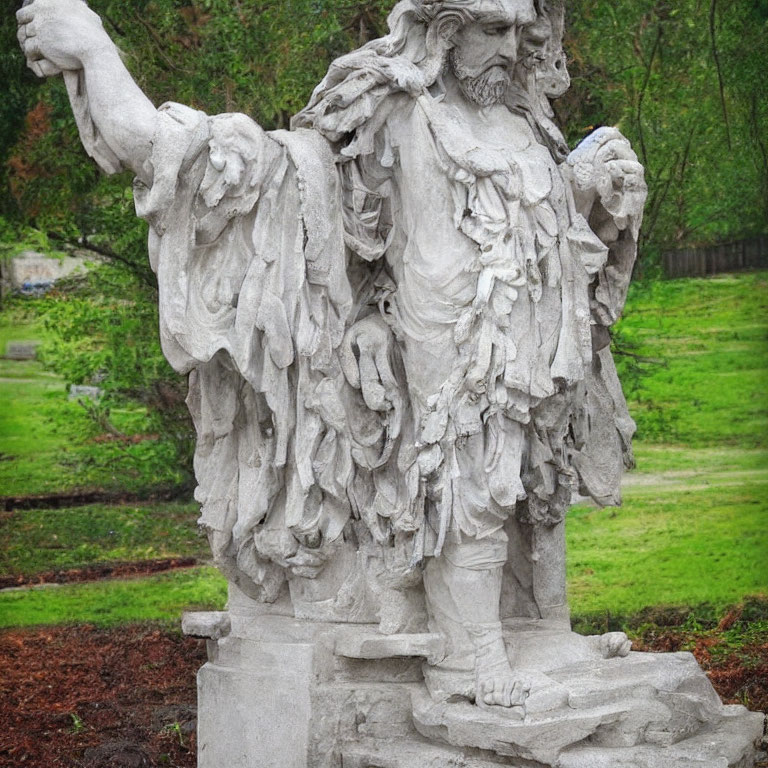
81 697
99 571
84 497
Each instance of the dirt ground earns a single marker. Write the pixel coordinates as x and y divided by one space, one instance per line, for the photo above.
99 571
81 697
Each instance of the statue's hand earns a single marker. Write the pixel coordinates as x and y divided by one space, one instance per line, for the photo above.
58 35
365 359
605 168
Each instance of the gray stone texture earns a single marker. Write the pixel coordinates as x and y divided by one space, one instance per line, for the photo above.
21 350
328 710
395 319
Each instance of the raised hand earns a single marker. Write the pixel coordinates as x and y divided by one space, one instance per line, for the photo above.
604 167
58 35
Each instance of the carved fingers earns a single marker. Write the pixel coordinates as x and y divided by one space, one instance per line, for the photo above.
365 360
26 35
56 34
604 167
36 61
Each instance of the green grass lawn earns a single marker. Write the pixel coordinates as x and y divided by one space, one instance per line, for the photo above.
157 598
681 460
710 338
35 541
670 546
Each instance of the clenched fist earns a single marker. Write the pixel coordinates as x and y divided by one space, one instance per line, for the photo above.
604 167
58 35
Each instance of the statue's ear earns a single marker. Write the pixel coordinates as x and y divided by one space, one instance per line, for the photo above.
442 30
440 39
448 24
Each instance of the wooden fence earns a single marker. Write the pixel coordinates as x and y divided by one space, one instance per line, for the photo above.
728 257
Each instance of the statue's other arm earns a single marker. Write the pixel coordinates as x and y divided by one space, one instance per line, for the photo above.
609 191
66 36
605 173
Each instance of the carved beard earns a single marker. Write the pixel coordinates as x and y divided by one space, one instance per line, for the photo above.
486 89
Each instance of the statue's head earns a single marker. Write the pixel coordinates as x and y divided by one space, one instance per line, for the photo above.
484 50
479 41
487 45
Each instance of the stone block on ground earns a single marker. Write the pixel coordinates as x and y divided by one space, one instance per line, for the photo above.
77 391
211 625
21 350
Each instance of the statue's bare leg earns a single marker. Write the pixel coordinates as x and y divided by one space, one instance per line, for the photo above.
468 598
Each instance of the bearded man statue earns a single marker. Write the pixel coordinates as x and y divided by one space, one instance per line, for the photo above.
395 321
394 318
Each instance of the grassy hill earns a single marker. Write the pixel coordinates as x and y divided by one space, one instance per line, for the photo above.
702 378
694 525
692 529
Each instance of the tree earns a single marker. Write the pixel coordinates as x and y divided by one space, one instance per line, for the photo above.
685 81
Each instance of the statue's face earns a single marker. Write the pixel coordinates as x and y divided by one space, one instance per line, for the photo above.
485 50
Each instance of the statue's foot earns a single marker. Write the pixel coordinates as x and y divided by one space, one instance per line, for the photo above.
502 690
496 685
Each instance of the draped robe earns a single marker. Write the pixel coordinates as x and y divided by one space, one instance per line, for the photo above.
382 201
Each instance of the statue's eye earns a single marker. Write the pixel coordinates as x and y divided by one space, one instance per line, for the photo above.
497 30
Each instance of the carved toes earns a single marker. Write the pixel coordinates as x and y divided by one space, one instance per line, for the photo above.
502 691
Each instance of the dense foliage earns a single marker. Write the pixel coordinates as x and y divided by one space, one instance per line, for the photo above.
685 81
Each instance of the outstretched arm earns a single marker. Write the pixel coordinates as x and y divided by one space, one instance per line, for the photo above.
66 36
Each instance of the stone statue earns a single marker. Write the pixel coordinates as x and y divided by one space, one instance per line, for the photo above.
395 320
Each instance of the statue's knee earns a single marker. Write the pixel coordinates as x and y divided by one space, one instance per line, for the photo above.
477 554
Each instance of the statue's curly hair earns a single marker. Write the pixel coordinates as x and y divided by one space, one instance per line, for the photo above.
428 10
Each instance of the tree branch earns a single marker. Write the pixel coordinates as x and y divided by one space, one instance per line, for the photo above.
160 45
716 56
145 275
643 91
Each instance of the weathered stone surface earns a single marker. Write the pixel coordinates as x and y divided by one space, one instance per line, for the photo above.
21 350
212 625
361 644
396 323
539 738
732 743
385 754
666 718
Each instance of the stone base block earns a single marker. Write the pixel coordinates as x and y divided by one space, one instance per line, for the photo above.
284 693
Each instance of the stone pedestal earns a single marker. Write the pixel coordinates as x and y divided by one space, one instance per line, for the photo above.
278 692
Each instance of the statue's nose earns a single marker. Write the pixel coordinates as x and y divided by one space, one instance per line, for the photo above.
510 44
